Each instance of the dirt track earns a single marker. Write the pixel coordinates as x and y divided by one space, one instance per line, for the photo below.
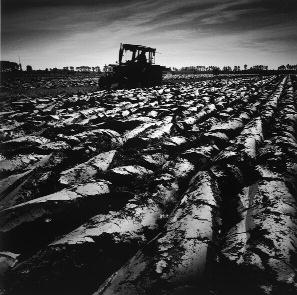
188 188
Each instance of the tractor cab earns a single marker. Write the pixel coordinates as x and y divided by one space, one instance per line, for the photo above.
135 68
138 54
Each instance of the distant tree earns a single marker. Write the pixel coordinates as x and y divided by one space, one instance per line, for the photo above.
245 67
105 68
227 69
29 68
8 66
215 70
96 69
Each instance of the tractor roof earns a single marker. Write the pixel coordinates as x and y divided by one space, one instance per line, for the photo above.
138 47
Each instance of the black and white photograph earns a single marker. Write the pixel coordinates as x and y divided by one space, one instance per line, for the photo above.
148 147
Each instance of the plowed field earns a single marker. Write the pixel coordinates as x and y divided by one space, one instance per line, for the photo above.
186 188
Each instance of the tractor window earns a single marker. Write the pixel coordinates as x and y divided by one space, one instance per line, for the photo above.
127 56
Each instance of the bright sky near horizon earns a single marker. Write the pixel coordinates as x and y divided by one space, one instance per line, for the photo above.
57 33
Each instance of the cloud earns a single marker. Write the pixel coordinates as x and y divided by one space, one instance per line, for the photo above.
14 6
271 6
226 17
183 11
209 28
54 23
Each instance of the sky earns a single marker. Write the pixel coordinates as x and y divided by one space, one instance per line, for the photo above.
57 33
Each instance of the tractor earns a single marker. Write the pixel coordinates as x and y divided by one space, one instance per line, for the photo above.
135 68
